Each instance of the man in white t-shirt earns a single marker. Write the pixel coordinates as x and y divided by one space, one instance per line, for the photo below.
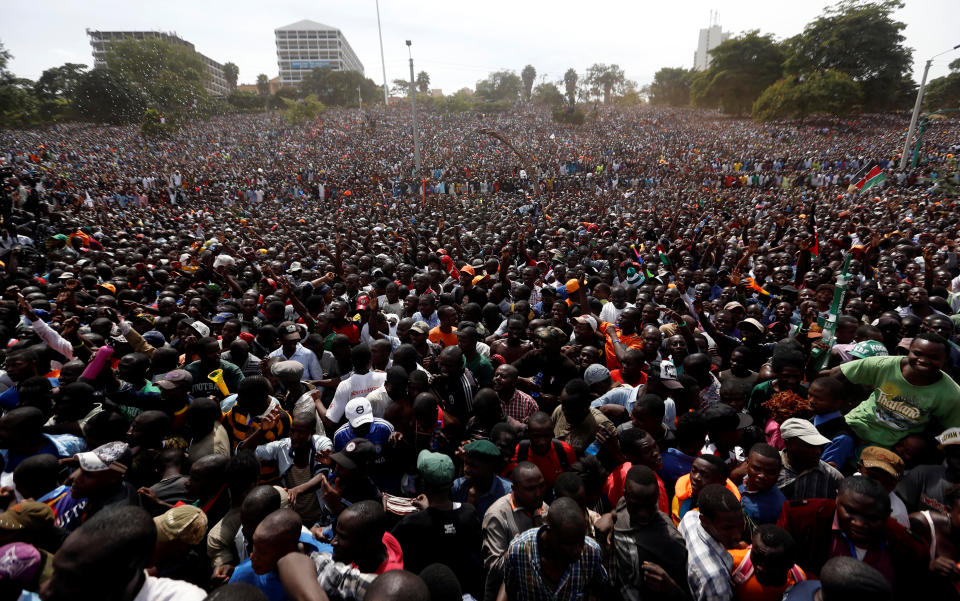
360 383
106 558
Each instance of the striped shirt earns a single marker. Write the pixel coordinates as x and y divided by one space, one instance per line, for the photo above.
708 563
524 579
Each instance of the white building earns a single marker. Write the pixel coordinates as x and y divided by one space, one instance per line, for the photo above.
710 38
216 84
305 45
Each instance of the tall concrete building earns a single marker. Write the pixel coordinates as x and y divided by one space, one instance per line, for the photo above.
305 45
216 84
710 38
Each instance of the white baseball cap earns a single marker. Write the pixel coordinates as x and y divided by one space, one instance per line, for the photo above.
359 412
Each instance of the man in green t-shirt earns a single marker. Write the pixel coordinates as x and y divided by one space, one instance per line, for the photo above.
907 392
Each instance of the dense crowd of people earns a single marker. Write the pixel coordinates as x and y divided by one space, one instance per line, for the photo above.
665 354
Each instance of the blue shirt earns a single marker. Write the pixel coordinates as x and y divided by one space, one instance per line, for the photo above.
676 464
763 507
625 396
379 434
841 448
269 583
499 488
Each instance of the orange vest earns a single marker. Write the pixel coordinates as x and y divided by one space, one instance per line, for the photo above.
745 585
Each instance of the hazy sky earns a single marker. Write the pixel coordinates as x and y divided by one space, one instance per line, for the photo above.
456 42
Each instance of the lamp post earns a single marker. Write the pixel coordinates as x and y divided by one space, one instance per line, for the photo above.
916 109
383 64
413 106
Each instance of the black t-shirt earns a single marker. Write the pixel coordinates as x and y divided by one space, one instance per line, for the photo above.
552 373
451 537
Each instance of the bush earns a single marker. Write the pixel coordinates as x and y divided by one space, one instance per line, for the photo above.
569 115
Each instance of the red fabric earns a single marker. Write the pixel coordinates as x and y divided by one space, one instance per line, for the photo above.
351 331
394 560
617 480
549 464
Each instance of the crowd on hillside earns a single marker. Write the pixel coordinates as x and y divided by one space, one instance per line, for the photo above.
662 355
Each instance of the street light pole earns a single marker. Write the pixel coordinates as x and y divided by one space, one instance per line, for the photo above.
413 106
382 63
916 109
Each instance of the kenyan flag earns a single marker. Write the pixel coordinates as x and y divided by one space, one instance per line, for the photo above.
874 177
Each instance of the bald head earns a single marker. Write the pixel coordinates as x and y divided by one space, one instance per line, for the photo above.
397 585
282 526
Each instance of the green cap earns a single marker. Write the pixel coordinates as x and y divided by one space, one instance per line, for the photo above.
436 468
869 348
60 237
483 448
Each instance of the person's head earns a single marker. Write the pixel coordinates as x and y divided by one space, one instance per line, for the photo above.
802 442
927 356
725 425
202 414
358 534
641 495
260 502
505 380
253 395
721 515
691 433
105 557
21 429
826 395
883 465
740 361
207 476
735 393
640 448
101 470
707 470
36 476
398 585
647 413
450 362
697 366
277 535
236 591
528 486
863 506
763 467
846 578
564 531
303 426
149 429
788 369
442 582
480 460
773 553
575 400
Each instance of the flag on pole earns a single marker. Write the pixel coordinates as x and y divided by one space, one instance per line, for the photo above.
663 255
874 177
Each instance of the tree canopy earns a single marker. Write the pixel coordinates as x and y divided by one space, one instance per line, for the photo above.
231 72
171 76
528 76
548 94
605 81
339 88
108 96
500 86
671 87
423 81
944 92
570 85
740 69
796 96
862 40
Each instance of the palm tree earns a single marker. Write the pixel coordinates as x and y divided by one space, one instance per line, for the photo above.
423 82
570 83
263 84
528 75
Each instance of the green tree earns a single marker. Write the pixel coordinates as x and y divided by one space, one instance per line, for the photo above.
570 115
245 101
423 82
339 88
459 102
500 86
104 95
570 85
263 84
171 76
671 87
605 81
547 94
231 72
528 76
944 92
796 96
305 110
740 69
862 40
59 82
400 87
18 104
